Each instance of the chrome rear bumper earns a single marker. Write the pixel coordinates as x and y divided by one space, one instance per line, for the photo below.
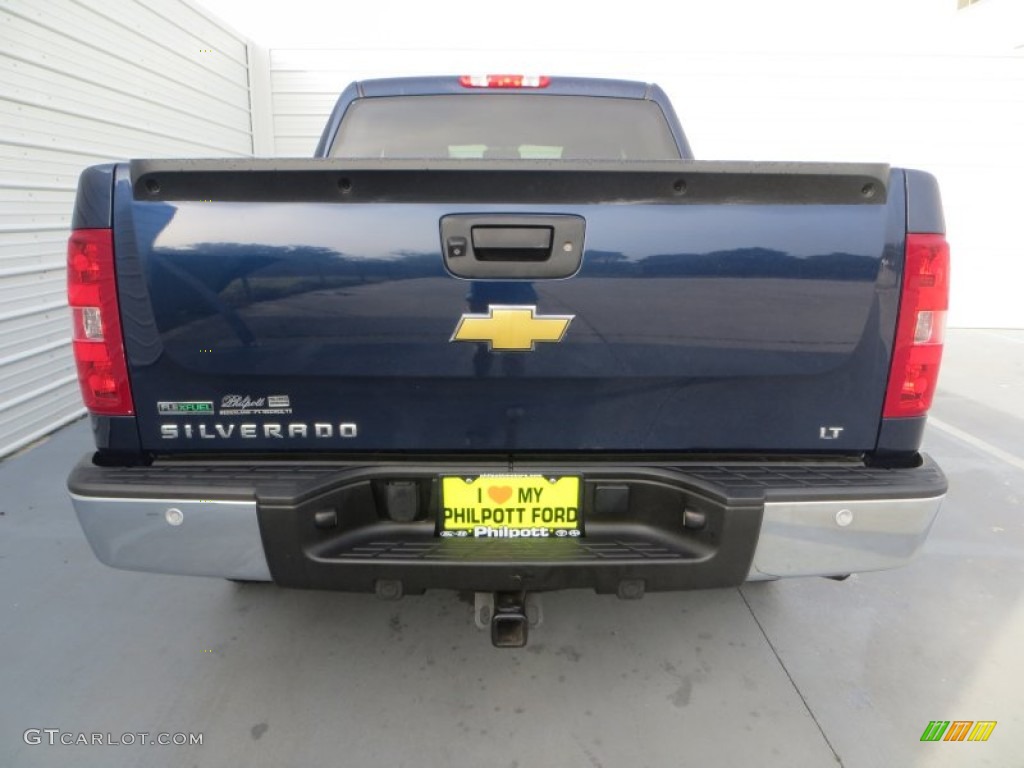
833 538
184 536
260 522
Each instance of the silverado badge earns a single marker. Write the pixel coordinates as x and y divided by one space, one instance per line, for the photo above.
511 328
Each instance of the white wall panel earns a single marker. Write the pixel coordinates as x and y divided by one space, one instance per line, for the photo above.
84 83
36 330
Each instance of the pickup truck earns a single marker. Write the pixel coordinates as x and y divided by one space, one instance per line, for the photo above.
504 335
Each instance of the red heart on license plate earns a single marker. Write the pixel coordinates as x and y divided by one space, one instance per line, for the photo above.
499 493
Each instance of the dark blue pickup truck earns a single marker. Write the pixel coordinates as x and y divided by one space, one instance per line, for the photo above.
505 335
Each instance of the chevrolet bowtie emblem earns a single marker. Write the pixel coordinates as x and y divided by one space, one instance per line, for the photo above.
512 329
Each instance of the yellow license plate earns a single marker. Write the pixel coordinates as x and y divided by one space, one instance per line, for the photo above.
510 506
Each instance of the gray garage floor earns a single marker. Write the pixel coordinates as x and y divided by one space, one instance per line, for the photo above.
798 673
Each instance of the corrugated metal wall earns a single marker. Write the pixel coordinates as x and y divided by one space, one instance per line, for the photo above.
84 83
959 116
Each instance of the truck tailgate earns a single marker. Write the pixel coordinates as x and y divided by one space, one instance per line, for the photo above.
718 307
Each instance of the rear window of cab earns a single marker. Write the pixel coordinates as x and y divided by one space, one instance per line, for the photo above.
505 127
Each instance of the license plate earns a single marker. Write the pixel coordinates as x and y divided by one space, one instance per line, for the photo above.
510 506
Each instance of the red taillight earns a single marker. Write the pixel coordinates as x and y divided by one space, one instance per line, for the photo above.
96 323
504 81
924 299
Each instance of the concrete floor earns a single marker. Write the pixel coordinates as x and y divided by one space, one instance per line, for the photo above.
796 673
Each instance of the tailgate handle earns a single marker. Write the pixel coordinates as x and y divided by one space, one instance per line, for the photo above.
498 246
512 243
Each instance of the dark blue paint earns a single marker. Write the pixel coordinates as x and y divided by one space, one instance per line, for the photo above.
924 204
94 198
725 328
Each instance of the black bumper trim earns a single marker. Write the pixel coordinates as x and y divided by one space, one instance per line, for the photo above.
289 482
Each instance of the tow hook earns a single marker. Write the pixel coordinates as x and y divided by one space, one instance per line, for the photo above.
509 615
